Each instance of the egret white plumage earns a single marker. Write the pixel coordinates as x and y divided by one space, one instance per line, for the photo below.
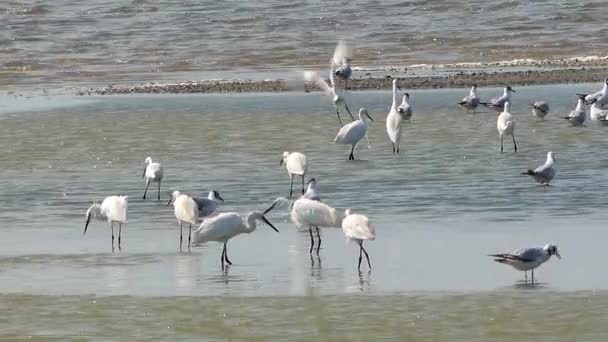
472 100
544 173
601 97
186 211
296 163
341 61
352 133
540 109
394 120
225 226
597 113
311 213
499 102
112 209
329 90
527 259
153 172
506 125
578 116
356 227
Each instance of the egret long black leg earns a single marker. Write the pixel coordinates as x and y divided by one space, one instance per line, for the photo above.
180 236
351 156
290 185
312 240
159 190
514 143
339 119
303 184
501 144
318 240
189 235
226 253
146 190
112 228
119 234
366 256
360 257
223 254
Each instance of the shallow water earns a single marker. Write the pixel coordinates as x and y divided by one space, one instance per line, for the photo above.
67 42
439 208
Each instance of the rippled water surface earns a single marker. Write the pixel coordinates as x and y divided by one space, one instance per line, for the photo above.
439 208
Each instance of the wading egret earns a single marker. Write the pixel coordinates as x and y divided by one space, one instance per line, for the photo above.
310 213
113 209
186 211
506 126
527 259
544 173
499 102
352 133
472 100
394 120
356 227
153 172
296 164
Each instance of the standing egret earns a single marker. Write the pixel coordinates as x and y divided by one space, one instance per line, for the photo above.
330 91
527 259
506 126
601 96
153 172
471 101
540 109
352 133
225 226
578 116
186 211
310 213
544 173
296 164
356 227
393 121
499 102
113 209
342 59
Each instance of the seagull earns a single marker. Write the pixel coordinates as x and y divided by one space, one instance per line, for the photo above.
597 113
356 227
153 172
225 226
499 102
527 259
311 213
540 109
311 191
544 173
394 119
342 59
471 101
601 96
113 209
296 164
506 126
329 90
352 133
405 109
578 116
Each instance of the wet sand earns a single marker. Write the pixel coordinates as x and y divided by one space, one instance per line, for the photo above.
408 80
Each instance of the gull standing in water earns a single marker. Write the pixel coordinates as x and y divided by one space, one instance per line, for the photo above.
329 90
527 259
153 172
499 102
601 96
405 108
342 59
113 209
540 109
544 173
506 126
352 133
471 101
578 116
393 121
296 164
225 226
312 193
356 227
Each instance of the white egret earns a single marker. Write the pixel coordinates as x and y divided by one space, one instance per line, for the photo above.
296 163
342 62
600 97
578 116
472 100
499 102
356 227
113 209
352 133
393 121
330 91
527 259
540 109
311 213
186 211
506 126
225 226
153 172
544 173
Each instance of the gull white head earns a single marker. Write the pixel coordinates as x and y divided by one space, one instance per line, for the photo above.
215 196
285 155
363 113
474 89
552 250
551 157
347 212
507 107
406 98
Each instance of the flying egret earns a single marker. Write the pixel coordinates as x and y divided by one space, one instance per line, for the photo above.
113 209
499 102
330 91
356 227
544 173
600 97
311 213
225 226
153 172
506 126
352 133
472 100
527 259
393 121
186 211
296 163
578 116
342 59
540 109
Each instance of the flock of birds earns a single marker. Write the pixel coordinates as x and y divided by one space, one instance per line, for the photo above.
309 211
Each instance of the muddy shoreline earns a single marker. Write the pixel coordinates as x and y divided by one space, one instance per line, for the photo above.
454 79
